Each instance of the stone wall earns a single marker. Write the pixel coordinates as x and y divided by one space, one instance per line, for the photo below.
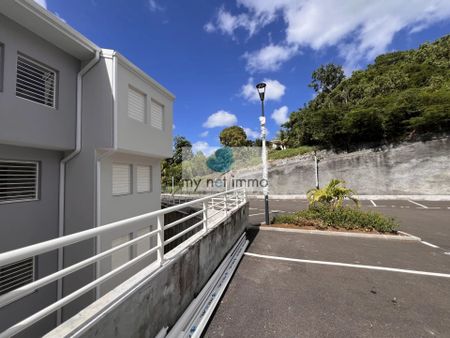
420 168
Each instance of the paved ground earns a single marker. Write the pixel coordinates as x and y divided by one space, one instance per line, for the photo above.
304 285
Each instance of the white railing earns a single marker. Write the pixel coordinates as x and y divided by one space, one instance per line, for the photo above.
212 210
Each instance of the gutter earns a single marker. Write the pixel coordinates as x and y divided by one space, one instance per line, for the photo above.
62 170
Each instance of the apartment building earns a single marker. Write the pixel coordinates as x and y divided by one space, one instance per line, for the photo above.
82 134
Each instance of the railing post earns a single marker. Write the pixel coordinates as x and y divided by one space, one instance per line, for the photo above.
225 204
205 216
160 238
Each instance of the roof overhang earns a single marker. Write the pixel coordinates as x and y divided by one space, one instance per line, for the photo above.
48 26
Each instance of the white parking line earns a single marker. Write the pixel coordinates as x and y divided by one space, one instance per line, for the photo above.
347 265
429 244
420 205
261 213
373 203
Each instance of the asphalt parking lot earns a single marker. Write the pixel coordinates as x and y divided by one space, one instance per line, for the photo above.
307 285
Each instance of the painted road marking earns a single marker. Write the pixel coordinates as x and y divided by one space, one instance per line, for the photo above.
261 213
373 203
356 266
429 244
420 205
447 253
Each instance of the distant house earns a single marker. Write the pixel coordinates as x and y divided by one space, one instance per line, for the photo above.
82 134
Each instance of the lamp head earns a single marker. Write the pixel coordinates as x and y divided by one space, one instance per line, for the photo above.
261 87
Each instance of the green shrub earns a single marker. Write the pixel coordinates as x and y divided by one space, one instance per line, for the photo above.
289 152
322 217
332 195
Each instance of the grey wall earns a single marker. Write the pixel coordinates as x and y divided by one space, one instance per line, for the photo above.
25 223
28 123
159 302
420 168
115 208
80 197
136 136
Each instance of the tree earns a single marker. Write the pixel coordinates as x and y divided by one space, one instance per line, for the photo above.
233 137
182 149
326 78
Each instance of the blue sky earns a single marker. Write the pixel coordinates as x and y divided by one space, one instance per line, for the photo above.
210 54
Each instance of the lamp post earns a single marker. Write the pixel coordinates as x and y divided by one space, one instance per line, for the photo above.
261 87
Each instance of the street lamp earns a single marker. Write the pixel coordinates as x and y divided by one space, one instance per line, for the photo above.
261 87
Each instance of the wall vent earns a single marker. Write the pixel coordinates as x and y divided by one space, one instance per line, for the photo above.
35 82
19 181
15 275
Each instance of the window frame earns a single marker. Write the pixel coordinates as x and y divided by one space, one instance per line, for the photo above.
150 188
37 183
46 67
130 181
2 65
153 101
138 91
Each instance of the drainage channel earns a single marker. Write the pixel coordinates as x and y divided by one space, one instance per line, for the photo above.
194 319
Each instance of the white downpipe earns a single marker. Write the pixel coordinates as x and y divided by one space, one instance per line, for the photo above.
62 170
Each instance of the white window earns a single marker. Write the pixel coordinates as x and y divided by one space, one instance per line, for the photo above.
121 179
35 82
19 181
144 178
157 118
144 244
15 275
136 105
120 256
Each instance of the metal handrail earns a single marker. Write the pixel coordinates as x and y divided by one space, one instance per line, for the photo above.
237 198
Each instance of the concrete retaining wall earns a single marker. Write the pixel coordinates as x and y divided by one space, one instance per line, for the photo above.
153 300
420 168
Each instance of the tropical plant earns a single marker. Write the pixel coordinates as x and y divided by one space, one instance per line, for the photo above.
333 194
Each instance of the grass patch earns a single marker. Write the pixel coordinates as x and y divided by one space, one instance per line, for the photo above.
290 152
324 217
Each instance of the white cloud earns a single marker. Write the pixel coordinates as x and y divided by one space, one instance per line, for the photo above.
274 90
220 118
252 134
154 6
280 115
227 23
204 147
43 3
359 29
269 58
204 134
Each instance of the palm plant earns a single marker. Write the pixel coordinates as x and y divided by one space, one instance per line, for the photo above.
333 194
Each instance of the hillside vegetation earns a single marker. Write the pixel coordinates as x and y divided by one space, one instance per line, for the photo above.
402 95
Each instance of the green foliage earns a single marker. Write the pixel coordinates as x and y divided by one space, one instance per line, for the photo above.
233 137
289 152
401 95
326 78
323 217
182 149
332 195
171 167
